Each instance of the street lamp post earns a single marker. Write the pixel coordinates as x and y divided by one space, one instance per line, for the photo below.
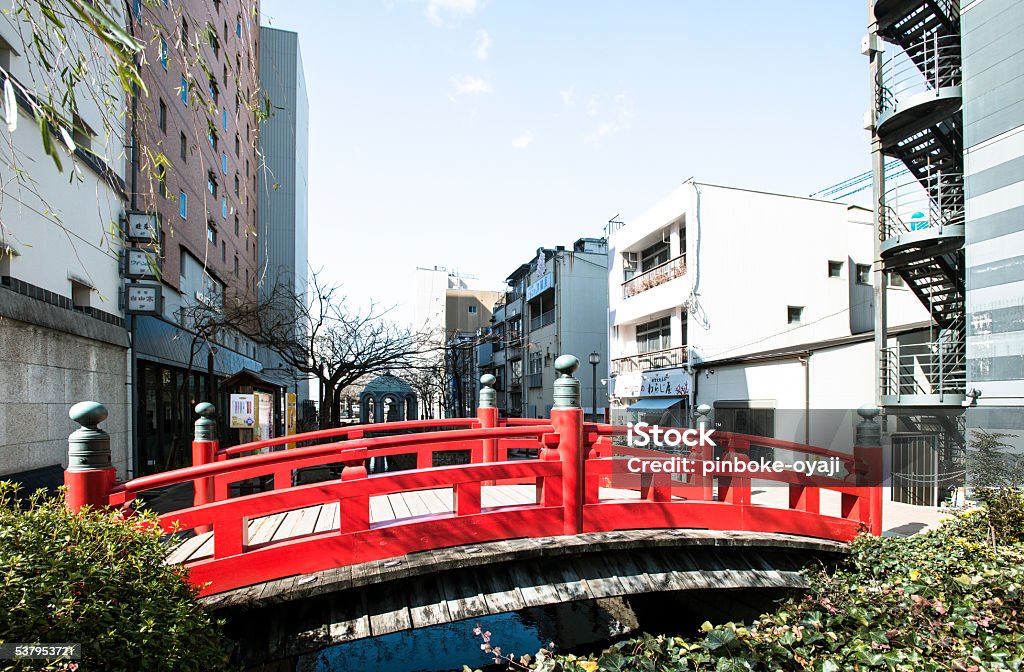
595 359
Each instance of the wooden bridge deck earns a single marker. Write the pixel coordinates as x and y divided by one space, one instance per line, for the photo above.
409 505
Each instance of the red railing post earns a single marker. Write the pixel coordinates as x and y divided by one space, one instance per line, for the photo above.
703 486
90 474
735 489
867 453
204 451
567 419
354 512
487 414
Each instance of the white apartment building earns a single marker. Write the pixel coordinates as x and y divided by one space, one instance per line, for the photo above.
62 331
757 304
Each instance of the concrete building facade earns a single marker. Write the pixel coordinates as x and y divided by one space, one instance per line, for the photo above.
556 304
284 193
712 303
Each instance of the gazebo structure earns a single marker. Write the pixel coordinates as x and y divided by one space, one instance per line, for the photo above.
387 399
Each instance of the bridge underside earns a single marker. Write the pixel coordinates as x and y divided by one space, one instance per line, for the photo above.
282 619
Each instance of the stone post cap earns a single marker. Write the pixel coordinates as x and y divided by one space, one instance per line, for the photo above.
206 426
488 380
488 396
567 364
88 413
702 410
868 411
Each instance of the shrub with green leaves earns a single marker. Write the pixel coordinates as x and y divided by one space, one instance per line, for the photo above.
96 580
944 600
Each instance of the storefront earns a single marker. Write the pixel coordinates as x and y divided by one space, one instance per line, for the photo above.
176 371
659 397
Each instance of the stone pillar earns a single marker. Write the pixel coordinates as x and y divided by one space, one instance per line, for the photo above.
567 419
487 415
867 455
703 485
90 474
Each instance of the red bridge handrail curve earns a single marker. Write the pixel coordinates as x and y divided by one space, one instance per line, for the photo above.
580 487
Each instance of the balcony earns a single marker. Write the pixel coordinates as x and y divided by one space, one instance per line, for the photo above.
925 374
535 380
542 320
658 359
659 275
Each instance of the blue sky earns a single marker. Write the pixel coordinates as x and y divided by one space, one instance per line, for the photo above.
467 133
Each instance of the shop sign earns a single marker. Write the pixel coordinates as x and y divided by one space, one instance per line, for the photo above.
660 383
142 299
547 282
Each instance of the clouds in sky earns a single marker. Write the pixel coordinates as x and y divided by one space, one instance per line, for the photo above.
482 44
438 9
568 95
464 85
523 140
619 121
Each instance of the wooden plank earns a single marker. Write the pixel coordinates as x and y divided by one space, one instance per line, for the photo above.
187 548
414 502
598 577
566 582
387 609
439 500
380 509
263 529
348 617
205 550
657 570
500 590
534 586
399 506
427 603
634 580
301 523
463 595
328 519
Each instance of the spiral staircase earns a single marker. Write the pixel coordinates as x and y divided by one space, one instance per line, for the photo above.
919 121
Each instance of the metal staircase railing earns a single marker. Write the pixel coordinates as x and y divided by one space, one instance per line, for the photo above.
936 368
932 64
934 201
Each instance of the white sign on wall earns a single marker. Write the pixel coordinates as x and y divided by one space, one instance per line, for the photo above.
139 264
547 282
243 411
143 299
141 226
659 383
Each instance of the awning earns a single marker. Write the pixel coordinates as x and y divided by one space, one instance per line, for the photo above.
165 343
654 404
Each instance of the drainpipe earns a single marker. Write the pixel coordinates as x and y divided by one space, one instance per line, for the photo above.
805 360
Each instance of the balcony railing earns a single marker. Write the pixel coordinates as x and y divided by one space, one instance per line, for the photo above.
935 201
931 64
658 359
936 368
542 320
659 275
535 380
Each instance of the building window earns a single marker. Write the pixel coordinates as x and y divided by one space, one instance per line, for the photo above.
183 204
184 148
655 255
794 314
472 310
137 10
182 264
864 274
211 233
211 33
236 185
163 53
184 32
238 26
835 269
654 335
223 252
224 207
895 280
161 181
224 119
162 116
236 223
238 144
81 294
236 265
224 163
212 135
184 90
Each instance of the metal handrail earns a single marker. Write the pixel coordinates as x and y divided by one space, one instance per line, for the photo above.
931 64
646 361
934 368
936 200
542 320
660 274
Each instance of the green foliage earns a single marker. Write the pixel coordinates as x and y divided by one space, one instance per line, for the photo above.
1005 510
943 600
988 466
99 581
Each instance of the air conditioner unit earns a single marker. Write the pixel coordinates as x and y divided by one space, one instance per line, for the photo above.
630 260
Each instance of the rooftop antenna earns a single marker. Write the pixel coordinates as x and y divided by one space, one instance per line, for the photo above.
613 225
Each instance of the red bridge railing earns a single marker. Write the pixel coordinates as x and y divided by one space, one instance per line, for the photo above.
581 486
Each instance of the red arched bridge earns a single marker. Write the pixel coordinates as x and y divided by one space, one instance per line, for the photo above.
530 488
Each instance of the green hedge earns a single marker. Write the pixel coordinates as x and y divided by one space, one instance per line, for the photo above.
100 582
949 599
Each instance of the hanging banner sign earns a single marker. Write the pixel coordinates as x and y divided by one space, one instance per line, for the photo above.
547 282
243 411
660 383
